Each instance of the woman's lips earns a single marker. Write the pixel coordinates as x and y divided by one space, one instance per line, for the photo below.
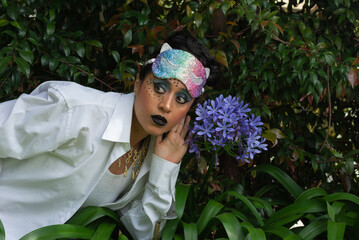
159 120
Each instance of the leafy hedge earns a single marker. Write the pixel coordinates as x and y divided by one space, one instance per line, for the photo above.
297 67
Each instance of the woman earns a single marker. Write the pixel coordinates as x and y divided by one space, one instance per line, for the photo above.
66 146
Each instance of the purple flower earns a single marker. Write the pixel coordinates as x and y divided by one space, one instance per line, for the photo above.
223 124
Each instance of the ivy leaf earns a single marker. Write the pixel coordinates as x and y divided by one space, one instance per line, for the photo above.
23 65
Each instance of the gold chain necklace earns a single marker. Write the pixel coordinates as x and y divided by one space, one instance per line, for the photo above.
138 156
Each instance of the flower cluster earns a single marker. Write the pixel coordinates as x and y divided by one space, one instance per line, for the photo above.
223 123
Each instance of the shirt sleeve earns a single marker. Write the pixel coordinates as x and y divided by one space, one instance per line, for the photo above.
157 203
32 124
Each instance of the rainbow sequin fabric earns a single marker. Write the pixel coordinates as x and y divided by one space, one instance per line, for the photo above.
182 65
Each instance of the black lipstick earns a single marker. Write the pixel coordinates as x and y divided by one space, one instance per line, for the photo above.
159 120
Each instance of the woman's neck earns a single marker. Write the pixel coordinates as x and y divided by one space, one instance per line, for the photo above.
137 132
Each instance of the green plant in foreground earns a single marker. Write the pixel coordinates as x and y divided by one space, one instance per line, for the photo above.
233 215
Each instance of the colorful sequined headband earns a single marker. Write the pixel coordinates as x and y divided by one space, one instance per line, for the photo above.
181 65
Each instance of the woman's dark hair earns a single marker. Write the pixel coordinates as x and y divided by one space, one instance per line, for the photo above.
183 40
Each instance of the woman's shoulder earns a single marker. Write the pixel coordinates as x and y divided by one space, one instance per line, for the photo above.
75 94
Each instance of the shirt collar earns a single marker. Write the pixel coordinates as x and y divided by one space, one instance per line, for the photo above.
119 127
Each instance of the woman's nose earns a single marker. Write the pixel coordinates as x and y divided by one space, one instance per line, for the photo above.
166 103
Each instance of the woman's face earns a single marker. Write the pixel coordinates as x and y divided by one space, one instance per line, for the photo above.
160 104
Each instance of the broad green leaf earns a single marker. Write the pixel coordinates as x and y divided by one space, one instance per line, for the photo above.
209 212
181 198
331 212
15 24
33 41
336 230
190 231
288 213
313 230
221 57
254 233
280 231
66 50
28 56
342 196
2 231
232 226
59 231
246 202
23 65
116 56
329 58
94 43
293 237
122 237
87 215
4 2
266 206
4 61
170 229
104 231
311 193
291 186
127 38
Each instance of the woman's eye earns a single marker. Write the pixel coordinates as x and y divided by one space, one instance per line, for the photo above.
181 100
159 88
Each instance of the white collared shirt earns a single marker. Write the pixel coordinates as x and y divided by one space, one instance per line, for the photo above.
57 142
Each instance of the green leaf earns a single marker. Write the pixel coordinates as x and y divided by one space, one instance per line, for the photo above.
116 56
45 59
350 16
94 43
209 212
50 28
289 213
104 231
80 49
190 231
197 19
342 196
311 193
15 24
254 233
28 56
181 198
313 230
53 64
232 226
329 58
59 231
336 230
4 2
13 12
127 38
52 15
331 212
3 22
23 65
87 215
280 231
291 186
246 202
2 231
4 61
170 229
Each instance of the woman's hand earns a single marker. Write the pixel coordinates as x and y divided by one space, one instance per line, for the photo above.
174 146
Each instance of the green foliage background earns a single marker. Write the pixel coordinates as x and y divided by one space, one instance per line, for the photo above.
297 67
